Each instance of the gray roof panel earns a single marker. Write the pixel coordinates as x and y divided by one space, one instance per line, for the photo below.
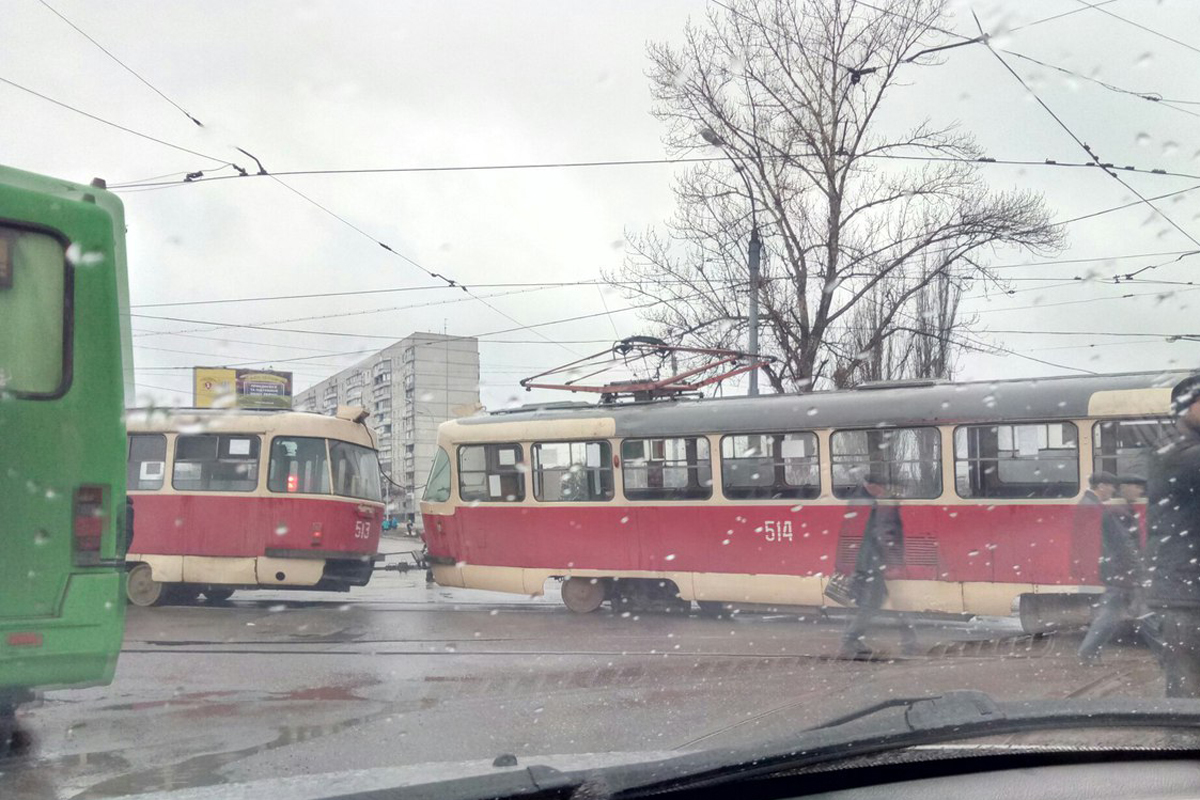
1065 397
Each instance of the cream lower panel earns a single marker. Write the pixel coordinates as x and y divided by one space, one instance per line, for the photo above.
903 595
792 590
289 571
448 575
164 569
219 569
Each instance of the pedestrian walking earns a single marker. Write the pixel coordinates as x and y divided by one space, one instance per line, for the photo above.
882 542
1173 533
1122 573
1089 518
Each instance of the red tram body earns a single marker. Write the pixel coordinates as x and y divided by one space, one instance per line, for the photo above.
239 499
746 500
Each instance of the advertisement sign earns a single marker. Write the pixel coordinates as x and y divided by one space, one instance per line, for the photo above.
222 387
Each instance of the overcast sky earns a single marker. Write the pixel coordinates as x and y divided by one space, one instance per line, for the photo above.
335 85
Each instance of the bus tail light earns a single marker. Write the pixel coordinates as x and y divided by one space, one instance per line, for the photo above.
89 521
25 639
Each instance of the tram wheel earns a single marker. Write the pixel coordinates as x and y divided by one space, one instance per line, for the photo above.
214 595
142 589
583 595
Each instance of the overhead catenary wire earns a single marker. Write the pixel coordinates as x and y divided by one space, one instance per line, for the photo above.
111 124
1084 146
338 314
982 160
1153 97
520 327
1151 31
123 65
263 171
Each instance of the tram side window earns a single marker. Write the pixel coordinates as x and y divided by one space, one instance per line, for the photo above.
491 473
1124 446
565 472
909 460
216 463
1033 460
768 465
666 469
299 465
145 468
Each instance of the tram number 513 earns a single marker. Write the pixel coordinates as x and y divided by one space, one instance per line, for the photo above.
777 530
362 529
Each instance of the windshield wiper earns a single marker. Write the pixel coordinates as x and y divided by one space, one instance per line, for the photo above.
917 721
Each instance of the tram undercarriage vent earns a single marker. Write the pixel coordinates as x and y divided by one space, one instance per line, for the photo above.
345 572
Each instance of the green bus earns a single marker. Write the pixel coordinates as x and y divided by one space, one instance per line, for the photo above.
65 368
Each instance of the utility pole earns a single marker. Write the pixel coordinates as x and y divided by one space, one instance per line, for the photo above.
755 253
755 250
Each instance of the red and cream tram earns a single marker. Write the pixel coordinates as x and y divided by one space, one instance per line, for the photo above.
745 500
237 499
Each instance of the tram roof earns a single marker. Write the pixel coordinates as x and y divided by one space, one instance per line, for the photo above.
246 420
1052 398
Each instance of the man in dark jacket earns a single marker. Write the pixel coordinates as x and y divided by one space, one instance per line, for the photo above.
882 542
1173 542
1089 518
1122 573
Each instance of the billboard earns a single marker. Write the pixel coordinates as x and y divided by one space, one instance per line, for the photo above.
223 387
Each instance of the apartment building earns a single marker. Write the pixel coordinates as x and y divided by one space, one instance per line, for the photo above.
409 388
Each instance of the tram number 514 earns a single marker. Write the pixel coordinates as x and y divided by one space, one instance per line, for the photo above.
777 530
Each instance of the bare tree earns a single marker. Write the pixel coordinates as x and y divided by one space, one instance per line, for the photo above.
870 235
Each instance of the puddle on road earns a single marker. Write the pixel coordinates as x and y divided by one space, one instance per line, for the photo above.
60 776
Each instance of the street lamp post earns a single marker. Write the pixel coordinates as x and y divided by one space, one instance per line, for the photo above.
755 249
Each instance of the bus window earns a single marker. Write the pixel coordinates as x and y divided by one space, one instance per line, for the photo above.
437 486
565 472
491 473
34 314
216 463
355 471
299 465
1124 446
1034 460
766 465
146 466
909 460
666 469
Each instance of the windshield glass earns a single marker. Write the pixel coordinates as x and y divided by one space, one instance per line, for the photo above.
437 487
586 380
355 471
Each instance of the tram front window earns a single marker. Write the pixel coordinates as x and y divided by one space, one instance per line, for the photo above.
355 471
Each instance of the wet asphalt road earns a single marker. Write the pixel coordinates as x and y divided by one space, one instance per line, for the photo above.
280 684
